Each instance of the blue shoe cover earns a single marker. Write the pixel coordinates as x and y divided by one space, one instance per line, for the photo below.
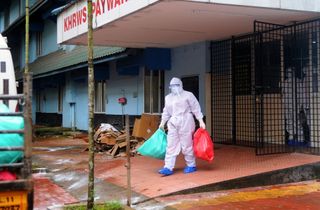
188 169
165 171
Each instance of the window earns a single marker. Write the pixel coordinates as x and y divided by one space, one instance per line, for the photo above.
6 90
38 43
5 86
60 99
38 101
6 18
153 91
100 98
3 67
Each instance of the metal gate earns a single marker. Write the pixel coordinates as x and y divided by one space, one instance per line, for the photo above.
286 91
265 88
270 88
233 111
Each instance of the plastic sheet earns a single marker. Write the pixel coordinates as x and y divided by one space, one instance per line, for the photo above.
10 140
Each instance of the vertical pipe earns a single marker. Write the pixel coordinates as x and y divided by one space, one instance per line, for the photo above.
128 165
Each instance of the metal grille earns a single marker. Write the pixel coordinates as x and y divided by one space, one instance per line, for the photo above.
265 88
233 117
221 78
243 100
288 56
271 106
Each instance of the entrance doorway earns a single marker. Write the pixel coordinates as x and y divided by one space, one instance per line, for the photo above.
191 84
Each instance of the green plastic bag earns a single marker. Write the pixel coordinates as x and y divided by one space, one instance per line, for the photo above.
10 140
155 146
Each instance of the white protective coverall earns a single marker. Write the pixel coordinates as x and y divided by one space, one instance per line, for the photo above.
180 105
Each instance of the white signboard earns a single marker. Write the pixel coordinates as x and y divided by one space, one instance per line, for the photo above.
73 21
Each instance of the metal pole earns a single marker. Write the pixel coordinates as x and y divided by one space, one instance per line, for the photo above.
91 90
26 69
28 134
27 88
128 164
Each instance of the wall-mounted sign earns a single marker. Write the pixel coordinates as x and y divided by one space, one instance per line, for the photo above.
74 21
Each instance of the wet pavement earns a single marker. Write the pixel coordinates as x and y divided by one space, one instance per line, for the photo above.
296 196
48 193
66 160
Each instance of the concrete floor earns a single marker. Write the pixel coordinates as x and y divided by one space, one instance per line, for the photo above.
67 163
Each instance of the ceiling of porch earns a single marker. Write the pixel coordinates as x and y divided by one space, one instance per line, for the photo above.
174 23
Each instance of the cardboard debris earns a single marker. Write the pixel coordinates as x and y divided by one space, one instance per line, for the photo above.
107 139
146 125
114 150
113 142
122 137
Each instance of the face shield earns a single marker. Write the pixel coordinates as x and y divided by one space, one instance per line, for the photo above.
176 86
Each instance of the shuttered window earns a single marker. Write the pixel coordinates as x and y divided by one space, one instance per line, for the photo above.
6 90
3 67
100 98
5 86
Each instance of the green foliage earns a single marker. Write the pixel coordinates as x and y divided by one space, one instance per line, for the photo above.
112 205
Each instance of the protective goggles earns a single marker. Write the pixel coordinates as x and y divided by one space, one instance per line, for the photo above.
174 85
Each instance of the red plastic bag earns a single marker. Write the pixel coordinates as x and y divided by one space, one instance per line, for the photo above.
7 176
203 145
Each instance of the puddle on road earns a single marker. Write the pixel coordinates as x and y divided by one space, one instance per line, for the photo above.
53 149
65 177
58 170
79 184
153 207
75 180
64 161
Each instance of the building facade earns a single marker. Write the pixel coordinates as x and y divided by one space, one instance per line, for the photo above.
60 71
253 65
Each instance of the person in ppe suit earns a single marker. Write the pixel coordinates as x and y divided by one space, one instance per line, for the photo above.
180 106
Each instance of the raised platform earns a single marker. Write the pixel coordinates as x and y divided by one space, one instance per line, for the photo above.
233 167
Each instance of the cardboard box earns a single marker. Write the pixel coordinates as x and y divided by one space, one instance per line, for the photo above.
136 127
146 125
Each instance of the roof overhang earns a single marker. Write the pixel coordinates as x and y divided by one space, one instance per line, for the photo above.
171 23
